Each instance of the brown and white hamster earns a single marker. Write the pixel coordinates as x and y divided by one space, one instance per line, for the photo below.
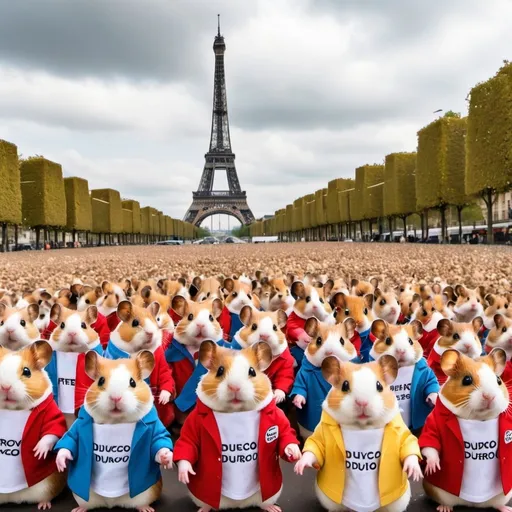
386 306
500 335
310 301
355 307
497 305
17 328
113 294
237 295
88 296
30 425
469 303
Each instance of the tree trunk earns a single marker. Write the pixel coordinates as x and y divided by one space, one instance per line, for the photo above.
15 235
361 229
370 223
5 242
391 236
38 237
404 220
426 223
443 223
488 197
459 216
45 235
422 221
74 236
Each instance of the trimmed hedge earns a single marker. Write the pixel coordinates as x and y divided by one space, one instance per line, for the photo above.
321 206
399 184
131 216
107 212
155 225
169 226
42 193
78 204
297 214
346 189
288 222
307 210
10 191
145 220
161 224
489 134
333 212
367 200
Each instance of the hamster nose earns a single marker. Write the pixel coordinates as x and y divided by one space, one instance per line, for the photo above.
200 326
116 399
6 388
233 388
361 403
72 334
10 330
487 397
264 337
280 296
400 351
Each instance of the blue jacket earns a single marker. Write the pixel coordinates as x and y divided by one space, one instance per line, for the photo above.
298 354
51 369
149 437
113 352
175 353
236 324
233 344
366 345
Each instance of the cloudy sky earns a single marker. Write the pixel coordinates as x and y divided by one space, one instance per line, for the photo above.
119 91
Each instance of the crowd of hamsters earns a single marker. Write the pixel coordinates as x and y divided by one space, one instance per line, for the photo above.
368 382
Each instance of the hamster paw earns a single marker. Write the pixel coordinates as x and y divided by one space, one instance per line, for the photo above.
44 505
204 509
146 509
272 508
79 509
444 508
504 508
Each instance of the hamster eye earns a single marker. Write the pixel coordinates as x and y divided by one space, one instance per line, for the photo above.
40 301
220 371
132 383
87 301
254 327
308 298
322 301
26 372
456 336
23 323
274 327
319 341
345 387
83 326
249 296
62 325
498 380
117 296
234 294
389 341
101 381
210 318
424 312
135 323
41 317
467 299
106 297
190 317
158 319
402 289
467 380
411 342
2 323
504 329
365 311
347 312
380 389
382 302
208 294
252 372
506 306
342 341
335 314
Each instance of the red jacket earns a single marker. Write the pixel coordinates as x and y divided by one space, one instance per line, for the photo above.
442 432
294 328
506 376
428 340
224 320
45 419
100 326
200 444
281 373
113 321
434 361
161 379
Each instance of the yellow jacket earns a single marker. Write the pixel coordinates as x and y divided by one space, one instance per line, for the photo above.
327 445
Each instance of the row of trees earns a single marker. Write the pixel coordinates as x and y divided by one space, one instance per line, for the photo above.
34 194
458 161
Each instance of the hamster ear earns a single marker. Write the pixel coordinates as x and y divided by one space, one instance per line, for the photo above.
182 281
368 299
379 329
499 321
350 326
154 309
92 364
331 371
180 305
263 354
146 362
125 310
228 285
497 360
450 361
377 292
98 292
145 293
208 353
282 318
460 290
389 367
246 315
45 295
311 327
41 353
338 301
374 282
417 329
217 308
55 313
477 324
91 314
33 312
354 282
77 289
445 327
328 286
490 299
105 287
193 291
481 291
3 308
436 288
298 290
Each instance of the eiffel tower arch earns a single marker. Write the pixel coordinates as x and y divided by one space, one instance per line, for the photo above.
206 201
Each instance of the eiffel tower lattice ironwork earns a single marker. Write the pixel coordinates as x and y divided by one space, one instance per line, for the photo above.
220 157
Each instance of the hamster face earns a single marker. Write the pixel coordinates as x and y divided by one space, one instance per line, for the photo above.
357 308
113 294
409 302
171 288
339 286
361 397
43 319
138 329
24 383
498 305
310 301
401 342
235 380
474 389
119 393
281 297
73 332
386 306
164 321
443 305
469 302
460 336
330 340
500 336
198 321
17 329
89 297
202 289
361 288
427 315
265 327
237 295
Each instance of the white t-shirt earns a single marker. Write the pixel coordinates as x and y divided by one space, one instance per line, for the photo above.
66 378
112 448
239 443
12 425
402 389
480 459
363 449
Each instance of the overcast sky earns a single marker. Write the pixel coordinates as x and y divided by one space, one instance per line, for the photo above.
119 91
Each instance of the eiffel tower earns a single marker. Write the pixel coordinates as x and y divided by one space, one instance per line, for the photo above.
220 157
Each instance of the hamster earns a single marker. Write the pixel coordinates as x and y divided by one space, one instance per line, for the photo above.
138 331
409 302
362 288
429 317
202 289
171 287
362 447
107 304
88 296
30 425
458 336
500 335
17 328
416 387
496 305
360 310
310 388
386 306
466 439
469 303
266 327
276 295
70 340
229 448
115 448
